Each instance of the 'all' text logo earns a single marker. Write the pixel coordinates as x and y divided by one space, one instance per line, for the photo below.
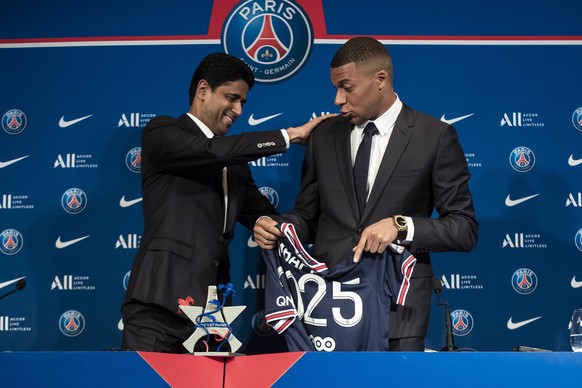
67 162
130 241
6 202
135 119
65 284
256 283
574 200
512 121
453 283
515 241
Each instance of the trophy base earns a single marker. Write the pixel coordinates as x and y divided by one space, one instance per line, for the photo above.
217 354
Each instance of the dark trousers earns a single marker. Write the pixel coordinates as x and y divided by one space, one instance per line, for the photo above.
409 323
151 328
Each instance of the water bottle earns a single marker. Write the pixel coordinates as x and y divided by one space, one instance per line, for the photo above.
576 330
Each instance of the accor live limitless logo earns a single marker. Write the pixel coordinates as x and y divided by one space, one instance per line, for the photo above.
519 119
461 282
269 161
72 283
74 161
523 240
8 323
135 119
14 201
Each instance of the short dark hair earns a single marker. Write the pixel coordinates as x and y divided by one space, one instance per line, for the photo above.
363 49
219 69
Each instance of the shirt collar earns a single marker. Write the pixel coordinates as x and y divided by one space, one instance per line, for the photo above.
203 127
387 120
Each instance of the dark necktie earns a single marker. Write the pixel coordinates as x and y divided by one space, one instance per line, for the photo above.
362 164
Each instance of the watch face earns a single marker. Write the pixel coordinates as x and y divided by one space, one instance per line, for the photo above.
400 222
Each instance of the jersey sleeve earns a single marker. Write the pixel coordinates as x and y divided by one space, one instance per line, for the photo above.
280 313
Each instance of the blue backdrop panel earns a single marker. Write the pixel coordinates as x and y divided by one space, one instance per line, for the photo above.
511 85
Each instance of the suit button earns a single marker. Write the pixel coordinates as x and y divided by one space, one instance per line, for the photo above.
214 263
220 239
359 231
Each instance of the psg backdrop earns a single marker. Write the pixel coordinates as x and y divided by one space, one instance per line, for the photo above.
80 81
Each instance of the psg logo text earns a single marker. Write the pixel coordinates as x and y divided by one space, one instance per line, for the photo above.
274 37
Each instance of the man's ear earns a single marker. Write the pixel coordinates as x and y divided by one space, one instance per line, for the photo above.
382 78
202 88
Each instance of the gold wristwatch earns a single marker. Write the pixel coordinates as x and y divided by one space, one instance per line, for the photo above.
401 224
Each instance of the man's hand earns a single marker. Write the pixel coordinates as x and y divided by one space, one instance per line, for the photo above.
266 233
300 134
375 238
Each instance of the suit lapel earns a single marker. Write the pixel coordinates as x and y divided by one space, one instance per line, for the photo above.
232 194
401 135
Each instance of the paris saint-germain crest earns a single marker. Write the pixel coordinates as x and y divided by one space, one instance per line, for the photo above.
133 160
524 281
72 323
274 38
11 242
74 201
14 121
522 159
462 322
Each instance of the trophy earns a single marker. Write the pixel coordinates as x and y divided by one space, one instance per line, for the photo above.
212 323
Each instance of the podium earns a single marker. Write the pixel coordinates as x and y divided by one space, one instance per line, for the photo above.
310 369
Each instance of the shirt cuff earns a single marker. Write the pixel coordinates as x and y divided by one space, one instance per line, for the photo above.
286 137
410 234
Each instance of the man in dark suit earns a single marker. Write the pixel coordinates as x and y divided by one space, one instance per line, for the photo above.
196 184
416 165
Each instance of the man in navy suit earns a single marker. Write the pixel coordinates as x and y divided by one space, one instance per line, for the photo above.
196 185
416 165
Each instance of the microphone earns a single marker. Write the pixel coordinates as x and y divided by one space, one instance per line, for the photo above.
437 287
20 284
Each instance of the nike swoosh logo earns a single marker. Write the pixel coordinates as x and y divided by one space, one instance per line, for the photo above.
8 163
512 202
252 243
574 162
455 120
124 203
63 244
4 284
575 284
253 121
67 123
516 325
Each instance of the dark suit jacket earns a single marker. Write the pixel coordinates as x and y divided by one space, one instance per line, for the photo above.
183 249
423 169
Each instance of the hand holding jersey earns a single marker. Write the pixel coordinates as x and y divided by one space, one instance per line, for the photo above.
374 239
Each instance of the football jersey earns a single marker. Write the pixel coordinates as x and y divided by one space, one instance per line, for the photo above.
346 308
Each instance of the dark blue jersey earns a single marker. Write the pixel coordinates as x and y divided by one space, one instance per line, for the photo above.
346 308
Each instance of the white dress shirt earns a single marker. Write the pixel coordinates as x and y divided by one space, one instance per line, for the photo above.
385 124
